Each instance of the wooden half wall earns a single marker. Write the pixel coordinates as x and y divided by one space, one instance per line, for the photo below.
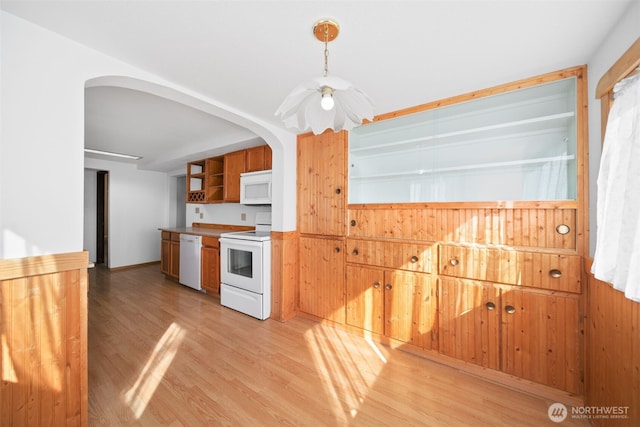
612 377
43 333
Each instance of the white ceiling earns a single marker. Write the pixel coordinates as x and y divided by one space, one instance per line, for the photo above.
250 54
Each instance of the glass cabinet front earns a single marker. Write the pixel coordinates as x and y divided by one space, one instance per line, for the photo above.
518 145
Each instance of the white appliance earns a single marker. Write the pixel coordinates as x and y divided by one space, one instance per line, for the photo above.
255 188
190 249
245 269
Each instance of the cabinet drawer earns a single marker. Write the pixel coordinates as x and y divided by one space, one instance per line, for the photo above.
396 255
166 235
210 241
545 270
175 237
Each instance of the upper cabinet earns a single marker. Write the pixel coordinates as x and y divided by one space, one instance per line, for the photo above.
322 183
517 145
217 179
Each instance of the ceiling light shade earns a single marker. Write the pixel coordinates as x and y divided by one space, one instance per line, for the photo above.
325 102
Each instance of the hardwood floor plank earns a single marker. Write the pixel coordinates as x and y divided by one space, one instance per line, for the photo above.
161 354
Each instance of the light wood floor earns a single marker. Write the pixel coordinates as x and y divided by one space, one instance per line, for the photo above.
161 354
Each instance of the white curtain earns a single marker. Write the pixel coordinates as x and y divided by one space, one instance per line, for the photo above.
617 256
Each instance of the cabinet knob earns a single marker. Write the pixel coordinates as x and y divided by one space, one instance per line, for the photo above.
388 287
510 309
414 259
337 249
555 273
353 222
453 261
563 229
338 191
490 306
376 285
355 251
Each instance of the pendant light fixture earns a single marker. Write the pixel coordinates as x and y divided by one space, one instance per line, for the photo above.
326 102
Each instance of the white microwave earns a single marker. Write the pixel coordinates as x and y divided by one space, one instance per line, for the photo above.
255 188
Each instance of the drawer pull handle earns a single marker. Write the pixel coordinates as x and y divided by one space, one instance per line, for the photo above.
453 261
388 287
510 309
353 222
337 249
355 251
414 259
563 229
555 273
376 285
490 306
338 191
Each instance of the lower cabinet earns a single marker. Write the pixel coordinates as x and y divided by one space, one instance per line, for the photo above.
322 290
210 259
398 304
528 333
170 254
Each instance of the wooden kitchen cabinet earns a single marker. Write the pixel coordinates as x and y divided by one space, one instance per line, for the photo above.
233 166
398 304
258 158
322 291
322 183
528 333
170 254
210 260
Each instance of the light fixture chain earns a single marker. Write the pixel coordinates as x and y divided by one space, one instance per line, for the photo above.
326 50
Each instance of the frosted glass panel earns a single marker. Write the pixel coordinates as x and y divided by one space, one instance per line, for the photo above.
519 145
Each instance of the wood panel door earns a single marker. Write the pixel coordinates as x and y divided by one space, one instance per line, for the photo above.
365 298
410 308
322 289
469 315
210 265
174 267
322 183
540 337
165 256
233 167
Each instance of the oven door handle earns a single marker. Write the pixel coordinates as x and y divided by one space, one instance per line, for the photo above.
240 243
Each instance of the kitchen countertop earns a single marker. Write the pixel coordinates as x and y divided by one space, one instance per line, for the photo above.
198 231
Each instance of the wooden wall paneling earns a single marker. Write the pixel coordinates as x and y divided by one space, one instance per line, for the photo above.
285 273
43 322
613 351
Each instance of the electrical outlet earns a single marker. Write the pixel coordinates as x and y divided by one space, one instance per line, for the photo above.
243 216
201 215
198 211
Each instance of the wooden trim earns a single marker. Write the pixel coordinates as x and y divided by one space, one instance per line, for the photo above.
520 84
551 204
624 66
43 264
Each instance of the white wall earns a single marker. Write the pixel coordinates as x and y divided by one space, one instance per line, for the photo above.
42 138
138 205
618 41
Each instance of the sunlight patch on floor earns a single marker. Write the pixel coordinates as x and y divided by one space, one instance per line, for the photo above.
346 368
139 395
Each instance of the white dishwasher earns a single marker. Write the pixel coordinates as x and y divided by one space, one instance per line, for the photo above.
190 247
